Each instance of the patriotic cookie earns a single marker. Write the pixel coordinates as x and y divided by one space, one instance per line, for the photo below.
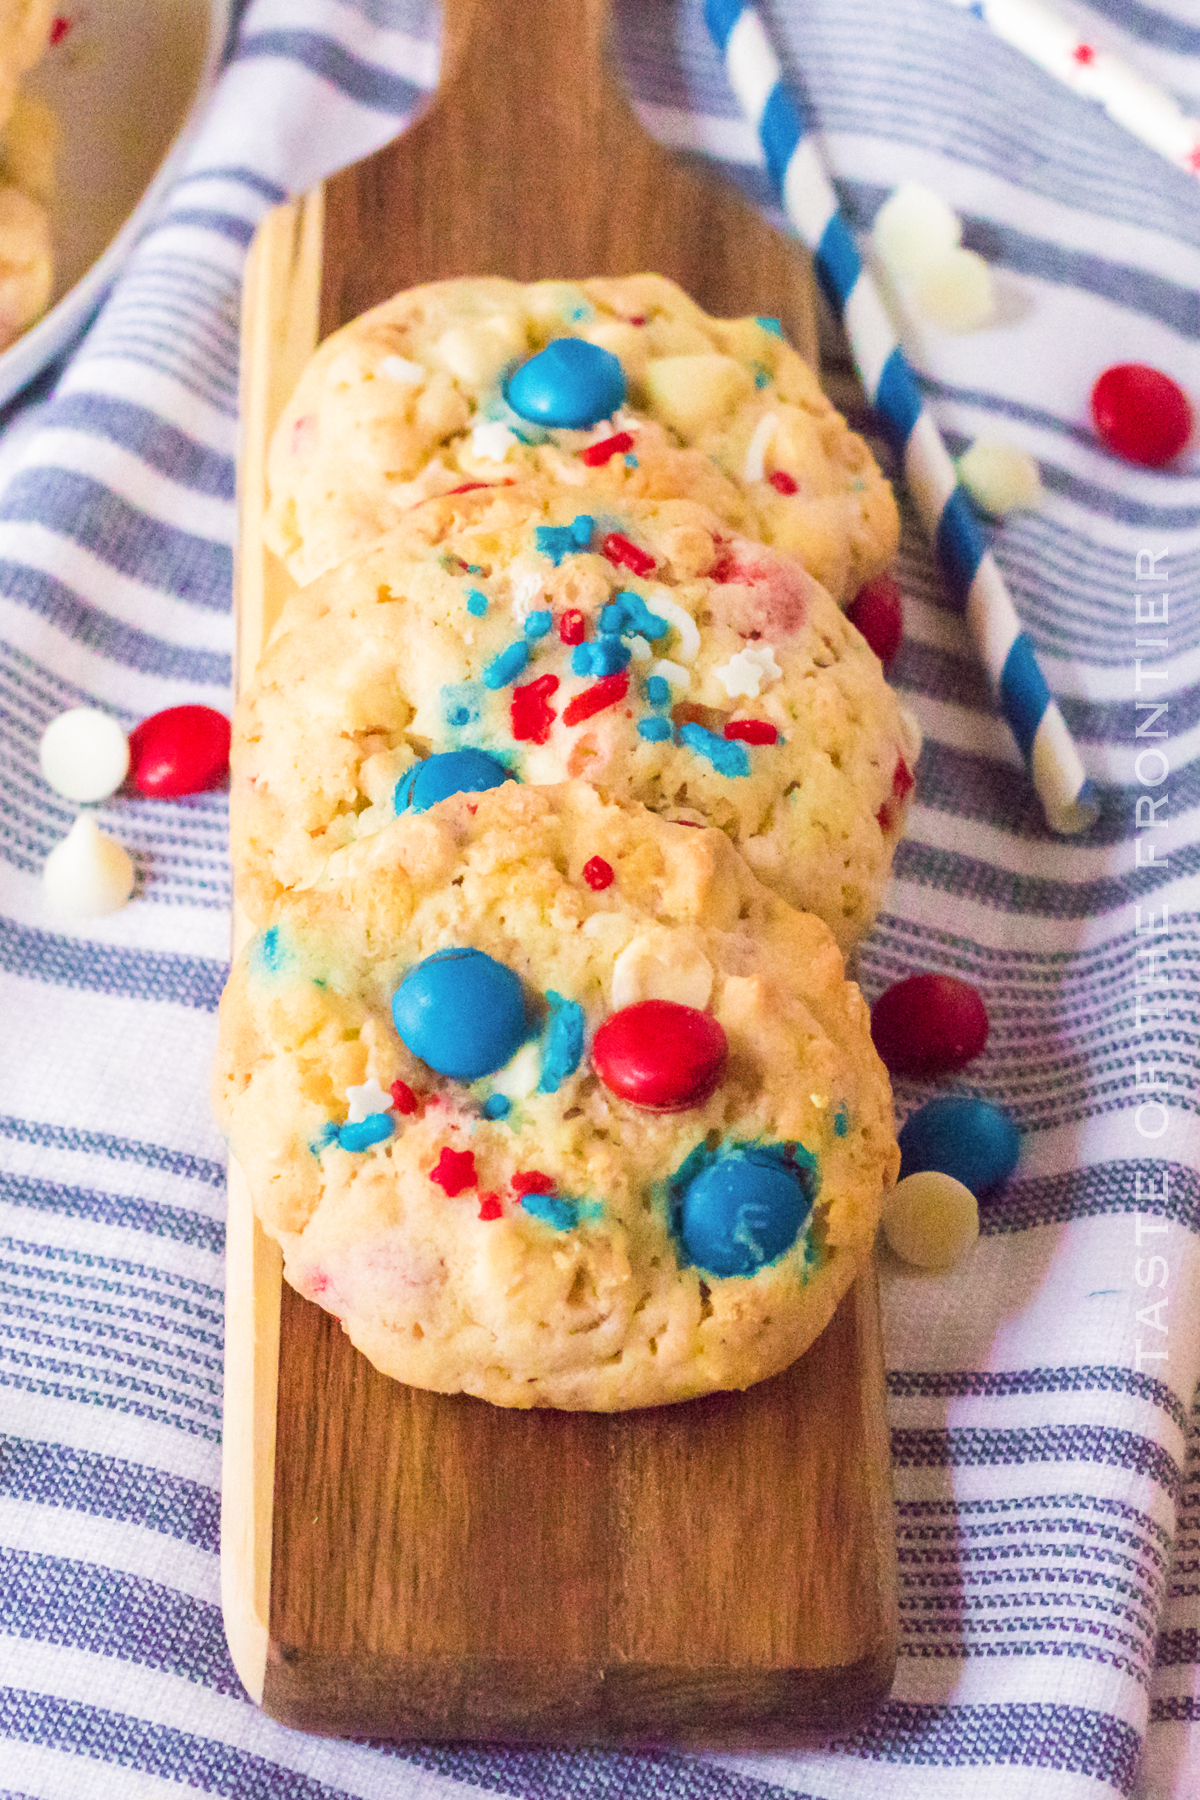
643 647
551 1102
623 385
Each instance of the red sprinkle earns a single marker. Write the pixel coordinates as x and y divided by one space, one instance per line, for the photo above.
59 29
1083 53
928 1025
531 712
468 487
597 873
608 447
783 483
621 553
455 1171
490 1207
1141 414
403 1098
572 627
725 568
878 612
902 779
183 750
752 731
594 699
532 1181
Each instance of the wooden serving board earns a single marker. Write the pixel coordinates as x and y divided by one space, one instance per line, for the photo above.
397 1563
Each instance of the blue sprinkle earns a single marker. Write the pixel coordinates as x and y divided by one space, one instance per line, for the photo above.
841 1121
609 655
477 603
474 568
771 325
658 690
271 953
555 541
562 1214
564 1043
612 619
497 1106
727 755
461 703
638 616
582 526
581 659
631 461
372 1130
655 730
327 1135
507 665
762 375
538 624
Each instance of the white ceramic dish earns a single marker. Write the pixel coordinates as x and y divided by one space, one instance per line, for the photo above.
127 80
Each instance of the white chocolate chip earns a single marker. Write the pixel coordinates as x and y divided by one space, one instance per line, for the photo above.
914 737
747 669
366 1100
913 229
764 432
999 477
492 440
955 291
521 1074
639 648
689 392
408 374
930 1219
661 965
661 604
476 354
88 874
84 754
526 587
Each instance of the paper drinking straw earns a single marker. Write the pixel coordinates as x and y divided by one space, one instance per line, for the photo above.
1126 95
968 569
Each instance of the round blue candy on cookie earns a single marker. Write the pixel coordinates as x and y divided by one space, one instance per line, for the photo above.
450 772
569 384
742 1210
462 1012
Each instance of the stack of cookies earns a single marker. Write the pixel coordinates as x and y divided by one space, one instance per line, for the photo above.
560 793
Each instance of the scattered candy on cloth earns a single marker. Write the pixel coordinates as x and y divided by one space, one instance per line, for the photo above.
1040 1390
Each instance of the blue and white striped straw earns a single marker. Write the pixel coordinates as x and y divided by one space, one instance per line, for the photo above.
968 569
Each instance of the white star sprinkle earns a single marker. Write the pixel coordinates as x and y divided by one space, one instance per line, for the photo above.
746 672
367 1100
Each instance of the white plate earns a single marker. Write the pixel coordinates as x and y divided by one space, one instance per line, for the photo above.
127 80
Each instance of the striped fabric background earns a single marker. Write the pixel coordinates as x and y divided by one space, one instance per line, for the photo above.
1047 1455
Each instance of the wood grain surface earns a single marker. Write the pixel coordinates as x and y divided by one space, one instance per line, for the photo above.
397 1563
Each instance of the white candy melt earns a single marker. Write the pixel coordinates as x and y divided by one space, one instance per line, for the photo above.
665 608
88 874
84 754
913 229
930 1219
492 440
366 1100
753 468
658 966
999 477
746 671
955 291
398 368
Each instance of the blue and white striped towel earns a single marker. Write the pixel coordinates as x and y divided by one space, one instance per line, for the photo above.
1048 1487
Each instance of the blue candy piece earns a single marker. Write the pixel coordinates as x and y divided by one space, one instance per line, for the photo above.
461 1012
563 1043
570 383
368 1131
450 772
957 1135
743 1209
728 756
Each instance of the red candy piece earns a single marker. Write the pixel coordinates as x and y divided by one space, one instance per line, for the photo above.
596 454
928 1025
180 751
660 1055
783 483
490 1207
1141 414
532 1181
902 779
597 873
594 699
621 553
878 612
530 710
571 627
403 1098
59 29
752 731
454 1171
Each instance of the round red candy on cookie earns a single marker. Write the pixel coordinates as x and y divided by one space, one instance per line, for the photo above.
660 1055
1141 414
928 1025
183 750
